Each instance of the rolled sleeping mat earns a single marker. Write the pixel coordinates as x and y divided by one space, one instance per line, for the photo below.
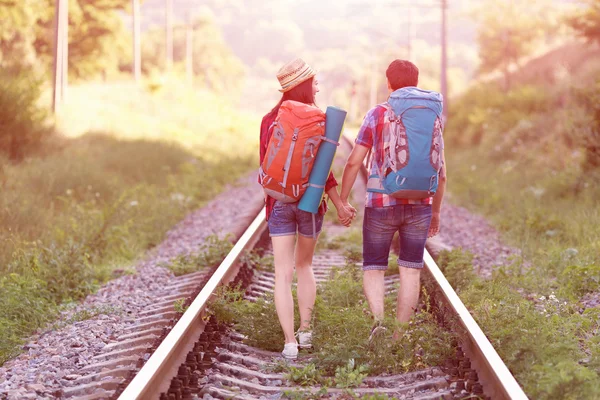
334 121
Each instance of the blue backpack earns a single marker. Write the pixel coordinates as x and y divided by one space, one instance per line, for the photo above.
412 145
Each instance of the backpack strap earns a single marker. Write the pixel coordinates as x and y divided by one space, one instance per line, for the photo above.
326 139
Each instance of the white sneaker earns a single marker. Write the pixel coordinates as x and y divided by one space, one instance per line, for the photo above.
304 339
290 351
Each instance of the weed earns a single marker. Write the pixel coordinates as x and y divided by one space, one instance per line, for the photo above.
253 259
179 306
378 397
308 375
89 313
350 375
256 320
581 279
305 395
214 251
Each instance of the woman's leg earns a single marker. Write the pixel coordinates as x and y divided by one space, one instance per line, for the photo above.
283 253
307 287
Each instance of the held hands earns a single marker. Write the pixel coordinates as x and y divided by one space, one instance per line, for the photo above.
346 213
434 228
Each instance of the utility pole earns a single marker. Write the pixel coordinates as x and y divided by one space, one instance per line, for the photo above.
137 43
443 5
65 50
169 34
444 69
59 56
189 54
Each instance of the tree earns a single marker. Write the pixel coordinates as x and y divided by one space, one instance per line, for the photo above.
213 61
587 22
508 32
96 34
16 35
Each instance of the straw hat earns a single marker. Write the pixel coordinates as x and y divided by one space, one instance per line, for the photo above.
294 73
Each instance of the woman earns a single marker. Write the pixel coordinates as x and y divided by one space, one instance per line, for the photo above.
286 222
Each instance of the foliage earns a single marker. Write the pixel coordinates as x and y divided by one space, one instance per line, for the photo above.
484 111
96 34
507 32
212 252
255 320
350 375
22 122
588 136
587 22
581 279
540 342
308 375
16 42
77 209
214 64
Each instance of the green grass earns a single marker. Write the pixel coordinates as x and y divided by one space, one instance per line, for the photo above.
548 345
341 327
80 207
212 252
525 160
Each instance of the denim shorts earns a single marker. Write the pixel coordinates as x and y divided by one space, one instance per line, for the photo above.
286 219
380 224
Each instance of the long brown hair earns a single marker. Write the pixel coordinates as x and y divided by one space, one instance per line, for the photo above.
302 93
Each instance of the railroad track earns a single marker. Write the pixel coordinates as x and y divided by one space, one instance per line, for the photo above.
201 358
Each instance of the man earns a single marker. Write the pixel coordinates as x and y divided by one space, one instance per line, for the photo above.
404 137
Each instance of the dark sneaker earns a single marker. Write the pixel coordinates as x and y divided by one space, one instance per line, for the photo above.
378 331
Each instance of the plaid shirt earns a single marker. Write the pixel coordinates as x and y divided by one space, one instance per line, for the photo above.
370 136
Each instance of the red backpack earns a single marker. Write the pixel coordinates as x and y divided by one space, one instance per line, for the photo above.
296 135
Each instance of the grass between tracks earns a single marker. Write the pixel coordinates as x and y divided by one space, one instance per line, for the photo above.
342 322
79 209
529 160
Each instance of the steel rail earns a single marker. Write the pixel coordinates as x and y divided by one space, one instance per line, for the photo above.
166 359
494 375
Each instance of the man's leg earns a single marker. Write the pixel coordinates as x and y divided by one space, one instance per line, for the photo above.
374 288
413 235
408 295
378 232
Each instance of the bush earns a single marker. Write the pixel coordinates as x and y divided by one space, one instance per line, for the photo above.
540 341
26 304
486 111
589 134
22 122
581 279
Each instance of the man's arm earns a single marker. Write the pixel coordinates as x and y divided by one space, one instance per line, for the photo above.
353 165
436 207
